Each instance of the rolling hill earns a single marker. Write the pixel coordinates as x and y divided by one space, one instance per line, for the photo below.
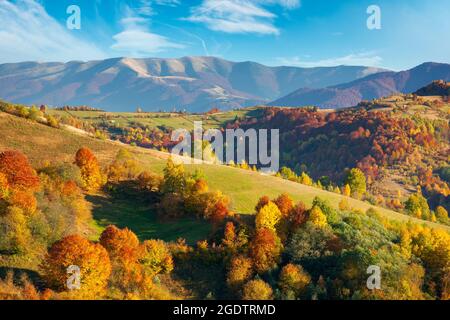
41 143
191 83
371 87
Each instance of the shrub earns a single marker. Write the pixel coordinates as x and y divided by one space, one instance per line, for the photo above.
299 215
309 242
217 207
123 248
149 181
119 243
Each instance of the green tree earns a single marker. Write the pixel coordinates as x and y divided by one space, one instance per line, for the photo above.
441 214
174 178
417 206
357 182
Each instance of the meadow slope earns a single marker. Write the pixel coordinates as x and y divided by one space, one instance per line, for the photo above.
41 143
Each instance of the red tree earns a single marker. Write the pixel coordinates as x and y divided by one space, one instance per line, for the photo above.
18 171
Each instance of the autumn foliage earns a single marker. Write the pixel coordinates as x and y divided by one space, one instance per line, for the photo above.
294 280
317 217
257 290
299 215
4 186
124 251
156 257
268 216
90 170
92 259
24 200
265 250
18 171
285 203
239 272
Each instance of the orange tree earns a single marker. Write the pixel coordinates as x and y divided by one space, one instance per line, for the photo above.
90 170
123 248
265 250
91 258
17 170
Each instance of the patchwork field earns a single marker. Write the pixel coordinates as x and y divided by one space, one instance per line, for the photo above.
155 119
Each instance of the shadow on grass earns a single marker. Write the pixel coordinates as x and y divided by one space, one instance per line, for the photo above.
126 207
18 273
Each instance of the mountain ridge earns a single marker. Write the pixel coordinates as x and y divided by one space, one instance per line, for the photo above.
192 83
371 87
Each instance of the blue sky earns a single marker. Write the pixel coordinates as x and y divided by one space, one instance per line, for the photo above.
303 33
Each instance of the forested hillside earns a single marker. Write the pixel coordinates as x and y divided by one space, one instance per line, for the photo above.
143 226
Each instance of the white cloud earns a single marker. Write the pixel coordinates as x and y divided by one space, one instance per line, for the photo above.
145 7
28 33
358 59
240 16
136 39
171 3
141 43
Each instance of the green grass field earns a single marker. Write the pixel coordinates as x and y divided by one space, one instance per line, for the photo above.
42 143
140 217
156 119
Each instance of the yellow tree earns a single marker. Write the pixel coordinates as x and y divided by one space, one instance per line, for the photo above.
347 191
317 218
257 290
305 179
344 205
268 216
16 235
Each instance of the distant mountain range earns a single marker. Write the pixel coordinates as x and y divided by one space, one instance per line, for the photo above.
368 88
191 83
198 84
